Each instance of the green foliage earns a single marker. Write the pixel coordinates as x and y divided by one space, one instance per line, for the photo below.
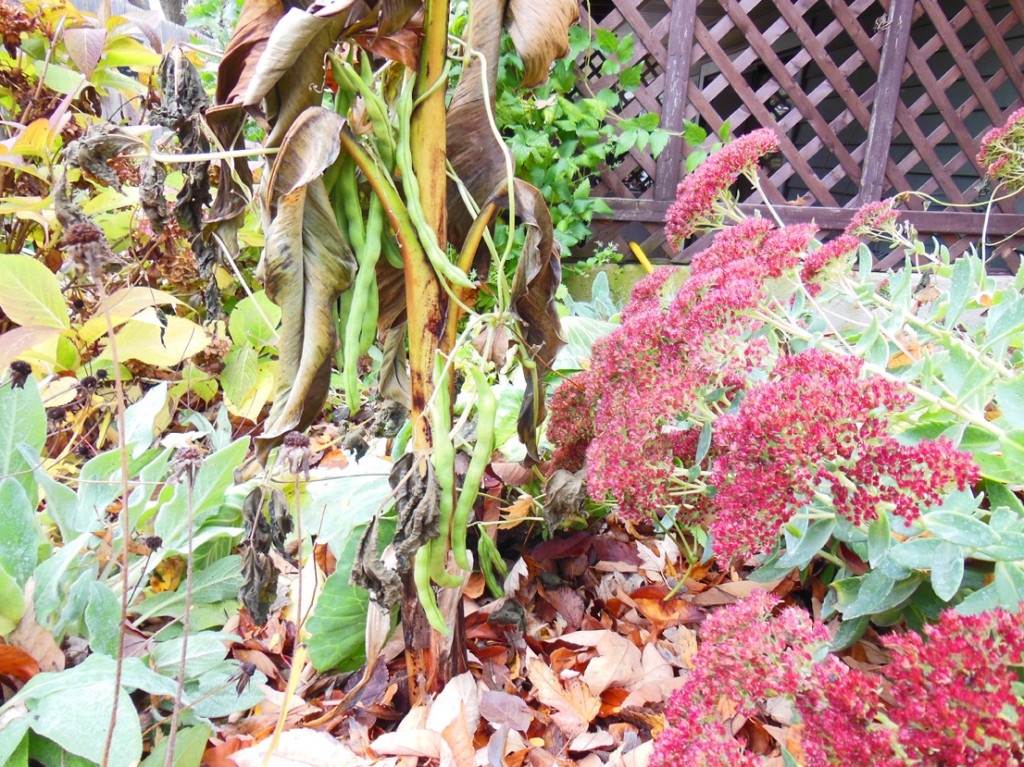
561 139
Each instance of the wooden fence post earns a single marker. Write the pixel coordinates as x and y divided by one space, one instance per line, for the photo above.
677 80
883 111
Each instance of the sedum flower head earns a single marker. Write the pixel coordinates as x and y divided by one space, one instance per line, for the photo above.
828 261
952 690
874 218
816 425
700 192
1002 152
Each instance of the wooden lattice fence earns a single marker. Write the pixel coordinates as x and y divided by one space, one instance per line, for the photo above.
869 98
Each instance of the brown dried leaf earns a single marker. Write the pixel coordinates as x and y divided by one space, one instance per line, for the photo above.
17 663
307 264
574 706
540 33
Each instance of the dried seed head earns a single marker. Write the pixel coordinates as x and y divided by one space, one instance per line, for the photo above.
186 464
87 246
56 414
102 375
296 439
20 371
295 453
89 383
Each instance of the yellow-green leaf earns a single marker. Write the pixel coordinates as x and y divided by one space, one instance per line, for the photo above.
146 339
30 294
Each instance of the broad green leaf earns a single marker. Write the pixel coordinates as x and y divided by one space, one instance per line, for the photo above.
338 624
103 619
140 419
14 743
849 632
1010 399
809 544
693 134
959 292
19 533
1009 585
189 746
254 321
22 420
51 579
215 695
221 580
947 570
959 528
1009 549
12 603
206 650
161 340
917 553
77 718
241 369
214 478
30 293
119 307
879 539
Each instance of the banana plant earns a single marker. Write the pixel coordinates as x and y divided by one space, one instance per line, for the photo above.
369 191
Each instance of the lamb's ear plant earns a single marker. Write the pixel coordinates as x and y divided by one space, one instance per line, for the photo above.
813 416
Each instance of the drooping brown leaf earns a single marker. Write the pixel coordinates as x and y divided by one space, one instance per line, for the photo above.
540 33
255 23
395 13
402 45
292 40
306 265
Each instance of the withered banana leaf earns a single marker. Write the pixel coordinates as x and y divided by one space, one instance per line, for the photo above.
306 265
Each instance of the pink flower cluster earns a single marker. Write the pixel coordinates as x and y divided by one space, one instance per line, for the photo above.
745 658
873 218
657 368
816 426
1002 151
947 698
826 261
700 191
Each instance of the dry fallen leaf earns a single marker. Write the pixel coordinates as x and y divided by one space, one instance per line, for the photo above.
300 748
574 706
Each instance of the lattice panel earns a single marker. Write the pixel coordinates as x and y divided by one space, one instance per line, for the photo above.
961 78
633 177
939 74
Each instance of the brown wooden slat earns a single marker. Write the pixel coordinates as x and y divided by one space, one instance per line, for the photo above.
835 219
995 39
763 116
961 58
677 73
894 54
790 85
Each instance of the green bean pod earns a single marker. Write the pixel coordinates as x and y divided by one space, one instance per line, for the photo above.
368 323
444 470
487 410
421 577
490 564
446 271
367 253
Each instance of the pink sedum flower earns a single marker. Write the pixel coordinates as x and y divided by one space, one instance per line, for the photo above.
952 690
700 191
873 218
814 426
828 261
1002 152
